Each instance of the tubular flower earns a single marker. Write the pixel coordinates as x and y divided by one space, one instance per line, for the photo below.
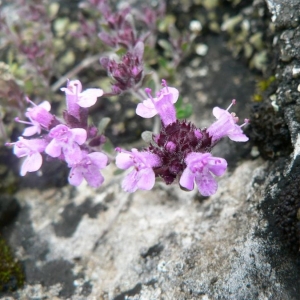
163 104
142 176
31 149
88 168
76 99
226 126
200 167
39 117
65 143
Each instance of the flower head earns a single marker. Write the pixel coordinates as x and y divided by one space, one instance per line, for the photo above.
65 143
200 167
226 126
88 168
142 176
129 72
31 149
163 104
173 143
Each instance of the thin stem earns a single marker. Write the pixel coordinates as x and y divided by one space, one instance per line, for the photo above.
156 125
85 63
139 93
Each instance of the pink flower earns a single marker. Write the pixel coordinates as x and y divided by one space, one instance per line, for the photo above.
75 98
39 117
65 143
31 149
200 167
142 176
88 168
162 104
226 126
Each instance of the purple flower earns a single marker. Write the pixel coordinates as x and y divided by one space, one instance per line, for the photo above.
39 117
162 104
88 168
173 143
66 141
76 99
129 72
226 126
31 149
200 167
142 176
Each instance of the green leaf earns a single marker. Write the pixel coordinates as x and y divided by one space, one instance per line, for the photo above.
183 111
108 147
165 45
163 63
185 47
103 124
118 172
121 51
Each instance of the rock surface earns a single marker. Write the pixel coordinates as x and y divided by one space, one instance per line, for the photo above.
166 243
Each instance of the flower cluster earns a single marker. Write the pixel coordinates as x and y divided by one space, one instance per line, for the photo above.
180 150
127 73
74 141
119 31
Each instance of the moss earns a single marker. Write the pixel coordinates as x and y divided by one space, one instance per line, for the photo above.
11 273
268 130
263 87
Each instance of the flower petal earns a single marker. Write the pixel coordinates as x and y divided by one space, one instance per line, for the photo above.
46 105
146 179
238 136
146 109
53 149
206 183
124 160
93 177
173 91
218 112
89 97
187 179
75 177
166 109
31 130
99 159
79 135
31 164
129 183
217 165
147 158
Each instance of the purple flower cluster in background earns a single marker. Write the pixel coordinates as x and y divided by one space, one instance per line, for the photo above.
127 73
73 141
180 150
